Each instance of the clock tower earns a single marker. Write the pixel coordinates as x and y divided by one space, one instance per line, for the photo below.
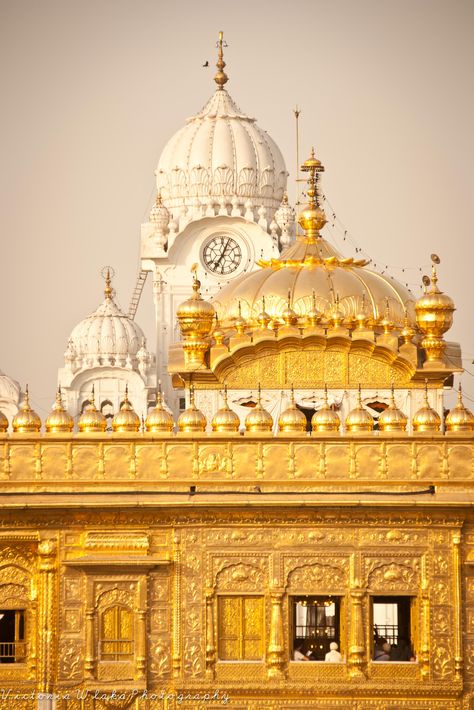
220 204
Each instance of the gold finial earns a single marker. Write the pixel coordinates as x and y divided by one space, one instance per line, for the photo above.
325 419
221 77
26 421
225 420
59 420
107 274
312 218
460 418
126 418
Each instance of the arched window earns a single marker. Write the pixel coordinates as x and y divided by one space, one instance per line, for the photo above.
116 634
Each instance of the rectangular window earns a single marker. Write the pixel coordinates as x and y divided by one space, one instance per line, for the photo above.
116 631
393 628
240 628
316 625
12 636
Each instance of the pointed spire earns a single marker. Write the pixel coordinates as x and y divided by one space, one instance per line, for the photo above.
221 77
312 218
108 284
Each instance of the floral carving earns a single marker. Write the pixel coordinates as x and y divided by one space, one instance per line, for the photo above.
314 576
13 594
442 661
394 576
71 660
160 659
240 576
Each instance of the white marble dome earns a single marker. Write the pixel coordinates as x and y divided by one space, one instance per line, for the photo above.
9 396
106 337
218 155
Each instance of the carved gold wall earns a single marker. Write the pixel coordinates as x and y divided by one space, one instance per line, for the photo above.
167 558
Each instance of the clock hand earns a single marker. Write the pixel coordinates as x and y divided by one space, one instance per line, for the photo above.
222 254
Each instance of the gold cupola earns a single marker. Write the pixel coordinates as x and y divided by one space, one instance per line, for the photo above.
126 419
195 317
359 419
159 420
392 418
225 420
192 419
292 420
426 419
460 418
258 420
91 420
325 419
59 421
434 316
26 421
3 423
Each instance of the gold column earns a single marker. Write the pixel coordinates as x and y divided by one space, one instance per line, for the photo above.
141 645
210 635
275 658
90 660
177 607
424 652
457 594
357 651
47 550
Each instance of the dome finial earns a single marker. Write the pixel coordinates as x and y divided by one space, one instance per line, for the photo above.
312 218
221 77
108 273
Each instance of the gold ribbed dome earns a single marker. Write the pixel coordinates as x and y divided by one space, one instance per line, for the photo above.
225 419
460 418
59 420
159 420
192 419
195 315
126 419
292 419
359 419
3 423
91 420
325 419
426 418
392 418
26 421
258 420
434 310
310 265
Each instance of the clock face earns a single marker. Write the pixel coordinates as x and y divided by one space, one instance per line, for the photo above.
222 255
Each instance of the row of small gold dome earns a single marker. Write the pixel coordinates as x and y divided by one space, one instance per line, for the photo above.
292 420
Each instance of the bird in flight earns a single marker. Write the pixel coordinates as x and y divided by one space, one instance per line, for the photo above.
206 64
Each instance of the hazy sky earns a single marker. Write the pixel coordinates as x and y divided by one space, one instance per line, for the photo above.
93 89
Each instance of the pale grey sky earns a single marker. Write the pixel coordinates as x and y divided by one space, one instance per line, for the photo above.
92 90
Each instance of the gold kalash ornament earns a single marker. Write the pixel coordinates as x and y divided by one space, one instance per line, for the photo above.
426 419
392 418
126 419
259 420
359 419
159 420
225 419
26 421
195 317
91 420
59 421
192 419
292 420
325 419
434 316
460 418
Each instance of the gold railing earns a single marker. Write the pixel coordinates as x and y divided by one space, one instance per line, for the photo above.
12 651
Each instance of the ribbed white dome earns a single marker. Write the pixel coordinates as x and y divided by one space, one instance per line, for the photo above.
221 153
9 389
107 336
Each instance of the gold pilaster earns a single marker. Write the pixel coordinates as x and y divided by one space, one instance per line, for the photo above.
457 598
357 651
210 635
424 652
47 550
90 659
177 572
275 660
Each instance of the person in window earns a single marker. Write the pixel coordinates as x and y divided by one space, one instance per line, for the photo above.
382 654
333 656
401 652
298 654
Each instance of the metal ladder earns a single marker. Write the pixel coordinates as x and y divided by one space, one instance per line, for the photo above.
137 293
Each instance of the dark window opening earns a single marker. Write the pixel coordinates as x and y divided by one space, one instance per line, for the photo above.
392 629
107 409
308 412
316 625
377 409
12 636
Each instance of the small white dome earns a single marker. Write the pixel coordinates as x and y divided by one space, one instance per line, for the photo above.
9 396
107 336
218 154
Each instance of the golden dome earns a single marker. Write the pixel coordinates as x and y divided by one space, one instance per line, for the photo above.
289 316
126 419
225 419
460 418
26 421
3 423
310 265
195 315
434 310
292 419
91 420
426 418
159 420
392 418
359 419
258 420
218 334
192 419
325 419
59 420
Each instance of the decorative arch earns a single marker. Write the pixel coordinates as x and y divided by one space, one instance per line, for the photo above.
240 576
315 575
